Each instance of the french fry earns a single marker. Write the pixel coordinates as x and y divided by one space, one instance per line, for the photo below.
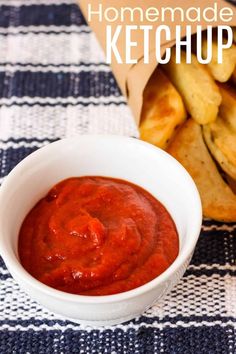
196 86
188 147
163 110
220 72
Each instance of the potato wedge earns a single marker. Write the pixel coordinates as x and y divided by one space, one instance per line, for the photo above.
188 147
232 183
234 76
220 136
220 72
198 89
221 142
227 109
163 110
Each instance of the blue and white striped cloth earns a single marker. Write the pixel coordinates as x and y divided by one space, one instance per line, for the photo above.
54 83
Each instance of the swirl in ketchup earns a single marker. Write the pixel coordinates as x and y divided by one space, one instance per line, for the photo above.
97 236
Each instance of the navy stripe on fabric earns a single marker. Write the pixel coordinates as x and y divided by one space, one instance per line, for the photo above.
143 319
38 15
5 276
215 246
11 157
204 340
184 319
40 84
28 140
41 14
2 264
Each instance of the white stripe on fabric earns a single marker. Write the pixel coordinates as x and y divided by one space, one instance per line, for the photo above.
155 324
60 48
230 296
223 227
193 296
4 271
214 265
61 100
60 122
55 69
42 28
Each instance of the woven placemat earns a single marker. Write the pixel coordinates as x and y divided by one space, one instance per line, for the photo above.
54 83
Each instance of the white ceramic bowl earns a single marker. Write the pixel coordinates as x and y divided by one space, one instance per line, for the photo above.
113 156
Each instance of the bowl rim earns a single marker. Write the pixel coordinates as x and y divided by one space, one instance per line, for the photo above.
18 270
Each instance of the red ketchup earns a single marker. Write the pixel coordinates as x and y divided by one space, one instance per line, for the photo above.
97 236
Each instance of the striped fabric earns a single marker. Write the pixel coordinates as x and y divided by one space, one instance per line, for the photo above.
54 83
